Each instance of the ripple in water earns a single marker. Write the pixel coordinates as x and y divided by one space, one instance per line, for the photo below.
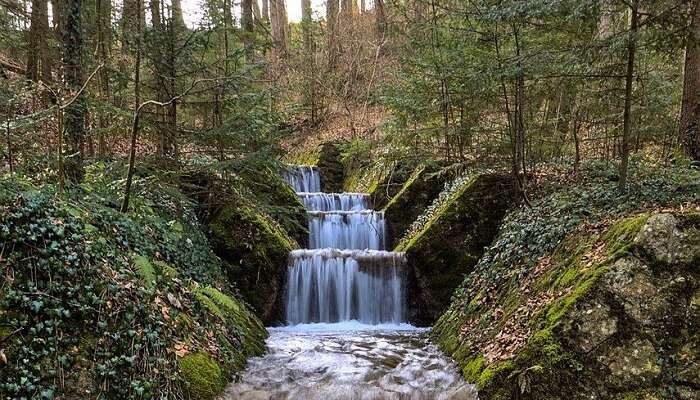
350 361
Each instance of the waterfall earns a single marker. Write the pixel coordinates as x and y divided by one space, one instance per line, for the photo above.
346 274
303 178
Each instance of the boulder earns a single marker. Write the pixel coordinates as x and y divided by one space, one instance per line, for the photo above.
612 313
254 249
414 196
331 169
451 240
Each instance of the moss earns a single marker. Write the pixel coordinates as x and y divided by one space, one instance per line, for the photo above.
145 270
416 194
255 250
473 368
202 375
618 240
450 243
493 372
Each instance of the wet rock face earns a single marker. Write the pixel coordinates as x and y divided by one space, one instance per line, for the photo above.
622 319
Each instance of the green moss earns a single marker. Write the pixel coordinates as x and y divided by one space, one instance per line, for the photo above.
618 240
494 372
202 375
145 270
473 368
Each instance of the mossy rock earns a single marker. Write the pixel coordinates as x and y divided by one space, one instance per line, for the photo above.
605 315
417 193
331 169
254 249
449 245
392 181
202 375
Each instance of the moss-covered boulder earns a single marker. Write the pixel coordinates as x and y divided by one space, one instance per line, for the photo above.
330 167
451 238
391 181
415 195
611 313
254 249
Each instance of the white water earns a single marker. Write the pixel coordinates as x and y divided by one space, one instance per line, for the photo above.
333 285
346 336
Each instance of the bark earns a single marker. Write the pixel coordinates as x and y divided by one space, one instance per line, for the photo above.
346 12
256 11
309 50
247 23
689 129
278 19
103 12
626 127
74 114
136 117
332 33
178 20
38 58
155 16
266 10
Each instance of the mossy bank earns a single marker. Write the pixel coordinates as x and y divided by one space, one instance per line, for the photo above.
98 303
587 294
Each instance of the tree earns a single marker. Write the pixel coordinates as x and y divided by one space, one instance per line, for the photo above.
248 27
39 60
332 8
629 79
689 127
74 114
278 20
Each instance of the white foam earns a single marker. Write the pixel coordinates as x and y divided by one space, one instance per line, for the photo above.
346 326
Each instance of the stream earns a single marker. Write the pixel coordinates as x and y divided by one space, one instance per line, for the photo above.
346 336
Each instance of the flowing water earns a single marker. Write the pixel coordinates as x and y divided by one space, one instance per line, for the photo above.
346 336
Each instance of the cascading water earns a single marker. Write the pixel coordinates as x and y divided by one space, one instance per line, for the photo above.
344 275
346 336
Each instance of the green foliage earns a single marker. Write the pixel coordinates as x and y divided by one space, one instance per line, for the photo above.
102 294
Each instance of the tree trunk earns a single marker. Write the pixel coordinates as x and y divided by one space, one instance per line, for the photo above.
266 10
256 11
689 129
178 20
626 128
131 17
38 58
103 12
155 16
74 114
309 50
247 23
278 19
332 33
136 116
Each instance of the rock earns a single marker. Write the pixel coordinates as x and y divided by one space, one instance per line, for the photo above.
203 376
606 315
663 241
331 168
452 240
633 364
254 249
414 196
591 324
